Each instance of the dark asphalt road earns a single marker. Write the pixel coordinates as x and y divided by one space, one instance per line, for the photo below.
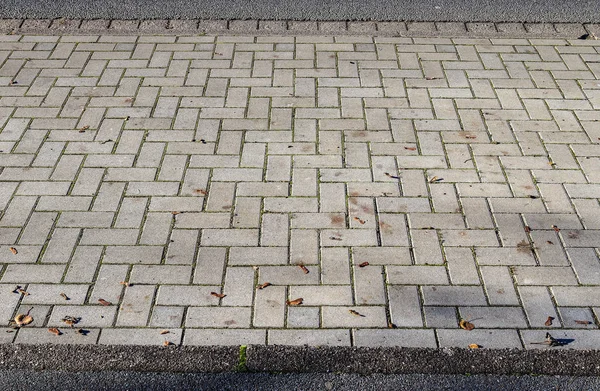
54 380
579 11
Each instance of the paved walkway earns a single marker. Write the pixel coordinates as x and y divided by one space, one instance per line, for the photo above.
393 186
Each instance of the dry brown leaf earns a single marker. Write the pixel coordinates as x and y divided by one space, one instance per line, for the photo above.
54 331
411 148
466 325
23 292
104 302
356 313
23 320
219 295
387 174
64 296
126 283
167 343
550 340
164 332
549 242
474 346
295 302
128 100
175 213
583 322
84 128
392 326
335 238
70 320
361 221
304 269
201 191
263 286
469 136
555 228
364 264
14 250
435 179
549 321
527 229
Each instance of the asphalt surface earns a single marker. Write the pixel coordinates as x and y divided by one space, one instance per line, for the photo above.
53 380
577 11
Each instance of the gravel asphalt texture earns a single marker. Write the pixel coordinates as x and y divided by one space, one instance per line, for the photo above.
575 11
52 380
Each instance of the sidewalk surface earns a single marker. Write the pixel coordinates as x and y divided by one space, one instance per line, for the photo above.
395 185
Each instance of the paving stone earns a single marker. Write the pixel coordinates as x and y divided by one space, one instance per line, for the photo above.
68 336
136 336
404 338
487 339
224 337
218 317
310 337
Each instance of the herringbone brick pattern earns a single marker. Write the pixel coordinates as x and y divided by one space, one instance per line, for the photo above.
396 185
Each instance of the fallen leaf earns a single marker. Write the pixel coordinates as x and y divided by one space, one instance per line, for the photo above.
167 343
23 292
465 325
411 148
304 269
164 332
295 302
334 238
549 242
128 100
263 286
23 320
201 191
549 321
55 331
555 228
174 213
84 128
70 321
527 229
364 264
435 179
126 283
430 78
474 346
64 296
13 250
591 36
219 295
533 197
387 174
104 302
359 220
583 322
392 326
356 313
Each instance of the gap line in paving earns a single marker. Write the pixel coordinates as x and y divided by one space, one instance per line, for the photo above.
152 185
